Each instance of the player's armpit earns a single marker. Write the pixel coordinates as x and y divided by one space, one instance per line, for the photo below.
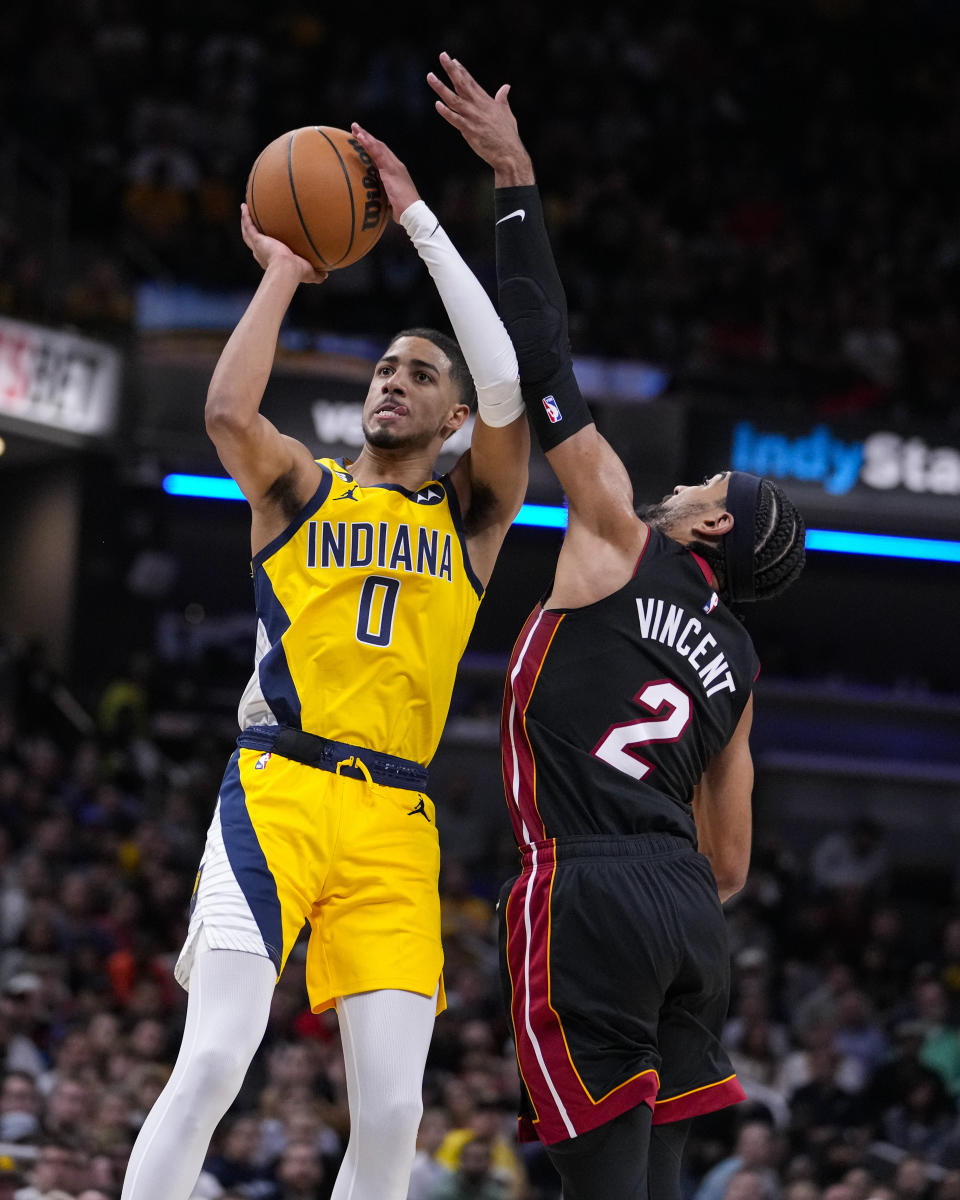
255 454
491 482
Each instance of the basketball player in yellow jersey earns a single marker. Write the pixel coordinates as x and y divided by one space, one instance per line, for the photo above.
367 576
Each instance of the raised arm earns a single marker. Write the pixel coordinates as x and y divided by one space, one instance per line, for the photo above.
534 309
491 477
276 473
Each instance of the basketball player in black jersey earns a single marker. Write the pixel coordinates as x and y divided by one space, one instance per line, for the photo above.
626 758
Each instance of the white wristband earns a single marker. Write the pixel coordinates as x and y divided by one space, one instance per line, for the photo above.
481 335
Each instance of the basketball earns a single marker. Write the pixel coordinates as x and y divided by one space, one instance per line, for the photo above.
316 190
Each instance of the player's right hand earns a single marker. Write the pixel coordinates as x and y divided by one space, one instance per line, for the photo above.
267 250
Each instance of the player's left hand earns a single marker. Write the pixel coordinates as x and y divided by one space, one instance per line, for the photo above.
400 188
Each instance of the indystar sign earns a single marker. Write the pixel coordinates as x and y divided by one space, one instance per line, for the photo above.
881 460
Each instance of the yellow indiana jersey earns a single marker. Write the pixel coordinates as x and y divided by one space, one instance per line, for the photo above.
364 604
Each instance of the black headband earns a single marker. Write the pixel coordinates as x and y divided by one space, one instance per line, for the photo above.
743 489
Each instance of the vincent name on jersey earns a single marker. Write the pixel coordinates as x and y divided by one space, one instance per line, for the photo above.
680 632
420 550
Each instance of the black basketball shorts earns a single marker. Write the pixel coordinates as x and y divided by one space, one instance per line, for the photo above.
615 969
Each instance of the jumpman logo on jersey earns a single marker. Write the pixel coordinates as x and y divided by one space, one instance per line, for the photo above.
348 494
421 809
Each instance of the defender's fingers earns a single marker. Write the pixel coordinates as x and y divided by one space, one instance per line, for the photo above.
446 94
448 114
462 80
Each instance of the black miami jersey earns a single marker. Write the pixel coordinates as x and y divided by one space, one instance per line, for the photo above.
613 710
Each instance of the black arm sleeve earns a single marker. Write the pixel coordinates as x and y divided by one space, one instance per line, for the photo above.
533 308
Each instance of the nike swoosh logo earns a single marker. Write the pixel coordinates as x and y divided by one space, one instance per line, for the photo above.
517 212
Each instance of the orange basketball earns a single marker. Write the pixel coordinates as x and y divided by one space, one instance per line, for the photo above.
316 190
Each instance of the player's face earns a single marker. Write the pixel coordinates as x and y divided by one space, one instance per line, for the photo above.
686 501
411 396
711 490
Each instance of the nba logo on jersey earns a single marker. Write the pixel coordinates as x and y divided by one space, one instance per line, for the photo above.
262 760
552 409
712 603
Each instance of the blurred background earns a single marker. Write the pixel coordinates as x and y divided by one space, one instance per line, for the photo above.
754 209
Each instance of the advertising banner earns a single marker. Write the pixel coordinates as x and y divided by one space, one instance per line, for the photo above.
870 475
56 384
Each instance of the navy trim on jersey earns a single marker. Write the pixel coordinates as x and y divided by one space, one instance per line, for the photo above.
454 501
248 863
273 671
311 506
392 487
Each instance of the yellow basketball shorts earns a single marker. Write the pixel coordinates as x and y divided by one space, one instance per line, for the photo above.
358 861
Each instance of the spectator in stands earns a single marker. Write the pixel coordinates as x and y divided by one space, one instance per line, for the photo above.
859 1036
941 1041
855 859
21 1024
11 1178
948 1187
474 1177
57 1172
827 1119
427 1172
860 1182
912 1179
747 1183
756 1152
69 1107
237 1162
922 1122
491 1125
300 1174
21 1104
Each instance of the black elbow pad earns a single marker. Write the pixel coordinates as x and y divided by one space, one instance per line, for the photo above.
536 328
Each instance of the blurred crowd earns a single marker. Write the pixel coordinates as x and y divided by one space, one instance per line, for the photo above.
844 1025
756 196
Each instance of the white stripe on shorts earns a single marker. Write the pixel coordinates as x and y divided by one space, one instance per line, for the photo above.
221 909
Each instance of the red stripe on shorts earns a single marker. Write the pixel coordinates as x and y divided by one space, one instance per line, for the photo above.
517 760
562 1104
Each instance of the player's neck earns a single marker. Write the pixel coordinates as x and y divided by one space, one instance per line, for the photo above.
405 468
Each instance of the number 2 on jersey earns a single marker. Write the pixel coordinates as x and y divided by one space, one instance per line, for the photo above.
671 708
378 603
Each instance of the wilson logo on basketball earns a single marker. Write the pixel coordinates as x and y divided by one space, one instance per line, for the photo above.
373 206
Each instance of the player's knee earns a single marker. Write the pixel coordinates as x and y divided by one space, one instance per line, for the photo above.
216 1072
535 327
394 1117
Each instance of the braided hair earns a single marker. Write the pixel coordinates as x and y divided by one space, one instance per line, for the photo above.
778 545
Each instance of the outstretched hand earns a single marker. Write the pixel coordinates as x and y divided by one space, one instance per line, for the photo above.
486 122
400 188
267 250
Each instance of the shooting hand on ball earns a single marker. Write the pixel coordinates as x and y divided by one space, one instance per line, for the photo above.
486 122
267 250
400 188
